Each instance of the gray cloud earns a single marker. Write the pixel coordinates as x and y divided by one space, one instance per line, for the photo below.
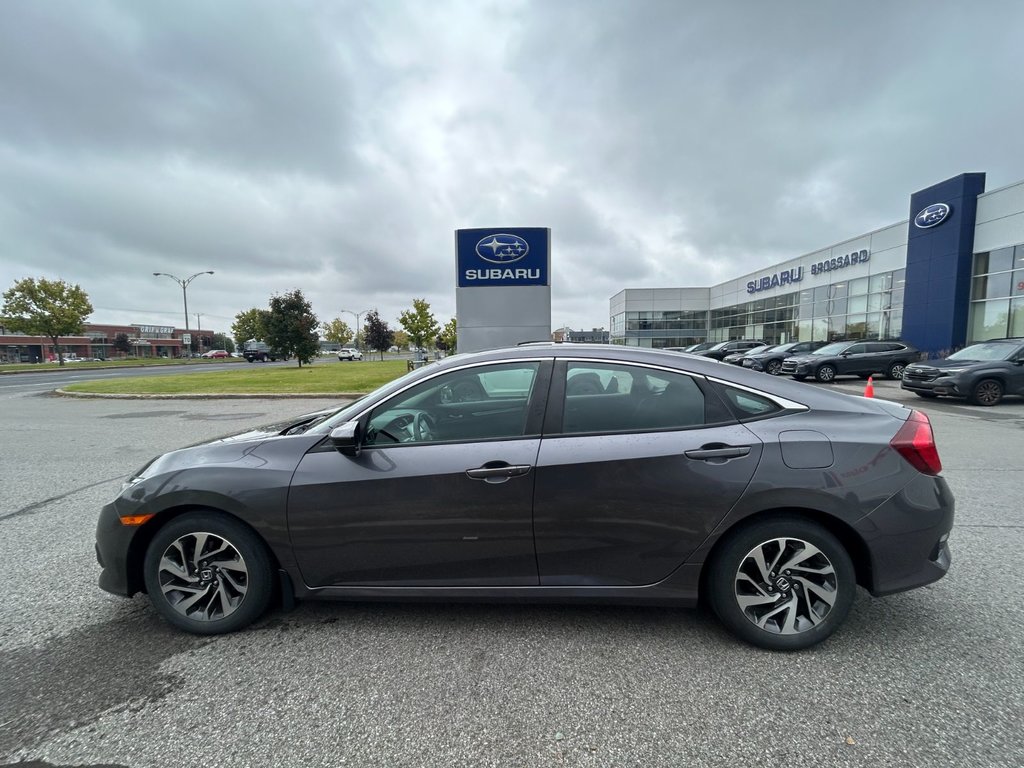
334 148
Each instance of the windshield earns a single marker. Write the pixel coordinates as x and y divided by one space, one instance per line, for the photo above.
832 349
759 350
984 352
720 345
348 412
781 347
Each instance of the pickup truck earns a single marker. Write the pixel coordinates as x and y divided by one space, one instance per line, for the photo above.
254 351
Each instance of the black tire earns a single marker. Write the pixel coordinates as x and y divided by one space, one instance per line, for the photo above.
232 591
826 374
926 395
895 371
774 367
987 392
833 577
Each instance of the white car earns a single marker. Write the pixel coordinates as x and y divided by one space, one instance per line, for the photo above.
347 353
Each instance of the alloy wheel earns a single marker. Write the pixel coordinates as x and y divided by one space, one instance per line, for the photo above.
896 371
774 367
786 586
987 392
203 577
826 373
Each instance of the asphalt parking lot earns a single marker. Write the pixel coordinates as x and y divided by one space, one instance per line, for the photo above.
931 677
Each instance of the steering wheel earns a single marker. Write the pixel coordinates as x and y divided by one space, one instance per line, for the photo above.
422 427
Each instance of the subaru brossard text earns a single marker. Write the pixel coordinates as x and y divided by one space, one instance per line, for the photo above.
549 473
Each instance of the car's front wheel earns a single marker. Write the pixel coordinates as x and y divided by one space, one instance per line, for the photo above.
774 367
987 392
825 374
783 583
208 574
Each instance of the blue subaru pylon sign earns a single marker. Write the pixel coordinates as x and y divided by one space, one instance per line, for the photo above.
502 256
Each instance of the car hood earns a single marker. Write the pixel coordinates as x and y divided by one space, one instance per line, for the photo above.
944 364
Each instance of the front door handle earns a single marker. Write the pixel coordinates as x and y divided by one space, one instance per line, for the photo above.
712 452
498 471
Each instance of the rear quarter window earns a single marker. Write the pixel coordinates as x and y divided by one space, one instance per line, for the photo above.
747 405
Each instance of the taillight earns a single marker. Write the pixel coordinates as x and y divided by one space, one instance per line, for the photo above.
916 443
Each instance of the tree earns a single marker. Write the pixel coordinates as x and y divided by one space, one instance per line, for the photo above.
337 332
419 323
122 344
250 324
376 334
291 327
222 341
42 307
448 338
401 339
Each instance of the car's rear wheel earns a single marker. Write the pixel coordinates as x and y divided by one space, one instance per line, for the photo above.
773 367
896 371
987 392
783 583
207 573
825 374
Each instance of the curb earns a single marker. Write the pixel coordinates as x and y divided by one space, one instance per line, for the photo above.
220 396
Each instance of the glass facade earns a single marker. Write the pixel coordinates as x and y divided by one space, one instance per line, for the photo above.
668 328
864 308
997 295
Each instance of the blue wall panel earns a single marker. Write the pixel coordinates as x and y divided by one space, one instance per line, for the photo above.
937 297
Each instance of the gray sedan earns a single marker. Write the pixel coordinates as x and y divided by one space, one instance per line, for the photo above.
549 473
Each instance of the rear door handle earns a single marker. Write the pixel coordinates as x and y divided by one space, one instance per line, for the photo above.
498 472
719 452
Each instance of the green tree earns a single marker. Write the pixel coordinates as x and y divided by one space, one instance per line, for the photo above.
376 334
448 338
401 339
222 341
291 327
419 323
122 344
250 324
337 332
42 307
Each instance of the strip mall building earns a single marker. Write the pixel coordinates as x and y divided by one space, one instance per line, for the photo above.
97 341
949 275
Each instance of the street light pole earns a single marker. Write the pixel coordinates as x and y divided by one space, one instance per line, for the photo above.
184 292
358 315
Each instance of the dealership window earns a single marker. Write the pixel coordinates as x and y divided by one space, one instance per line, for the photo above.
994 315
990 320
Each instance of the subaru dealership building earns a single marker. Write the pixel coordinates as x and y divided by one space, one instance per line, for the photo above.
949 275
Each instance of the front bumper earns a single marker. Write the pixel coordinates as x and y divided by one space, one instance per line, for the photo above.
944 385
115 553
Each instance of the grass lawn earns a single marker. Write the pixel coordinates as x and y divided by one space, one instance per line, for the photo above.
344 377
129 363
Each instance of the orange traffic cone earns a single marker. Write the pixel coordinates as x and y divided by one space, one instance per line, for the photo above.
869 389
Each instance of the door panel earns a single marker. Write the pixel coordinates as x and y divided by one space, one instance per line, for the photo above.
628 509
410 515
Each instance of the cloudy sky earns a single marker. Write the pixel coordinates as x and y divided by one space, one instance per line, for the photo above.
335 146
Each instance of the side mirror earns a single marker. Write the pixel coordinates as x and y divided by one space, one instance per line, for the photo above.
347 438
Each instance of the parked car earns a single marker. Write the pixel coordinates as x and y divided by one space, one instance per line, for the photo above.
982 373
719 351
216 353
736 358
607 473
852 358
347 353
770 359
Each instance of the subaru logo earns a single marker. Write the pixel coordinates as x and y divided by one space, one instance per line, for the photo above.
932 216
502 249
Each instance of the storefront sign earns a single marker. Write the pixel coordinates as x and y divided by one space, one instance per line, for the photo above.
776 280
153 330
841 262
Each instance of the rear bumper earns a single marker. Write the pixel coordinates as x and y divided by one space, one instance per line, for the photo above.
907 536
